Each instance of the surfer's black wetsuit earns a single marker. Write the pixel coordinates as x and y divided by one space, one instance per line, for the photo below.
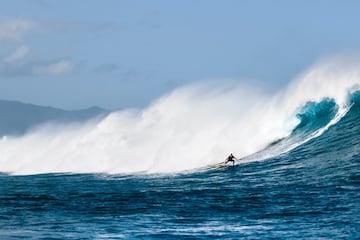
230 158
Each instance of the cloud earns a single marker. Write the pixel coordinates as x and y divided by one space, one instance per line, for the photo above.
20 53
15 29
57 68
27 69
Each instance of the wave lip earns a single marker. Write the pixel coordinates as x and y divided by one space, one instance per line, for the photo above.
313 115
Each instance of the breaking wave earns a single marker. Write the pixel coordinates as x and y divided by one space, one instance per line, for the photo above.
192 127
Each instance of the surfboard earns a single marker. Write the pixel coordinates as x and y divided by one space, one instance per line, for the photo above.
223 164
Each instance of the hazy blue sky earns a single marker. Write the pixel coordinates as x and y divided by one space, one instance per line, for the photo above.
114 53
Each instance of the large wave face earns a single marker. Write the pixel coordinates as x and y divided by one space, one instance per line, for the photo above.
192 127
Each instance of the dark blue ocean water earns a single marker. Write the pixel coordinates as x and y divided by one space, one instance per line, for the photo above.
311 192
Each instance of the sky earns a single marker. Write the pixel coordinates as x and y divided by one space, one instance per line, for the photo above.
125 53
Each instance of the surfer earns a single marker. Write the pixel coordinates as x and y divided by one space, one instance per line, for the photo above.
230 158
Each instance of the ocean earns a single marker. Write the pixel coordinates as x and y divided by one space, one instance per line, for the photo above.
150 174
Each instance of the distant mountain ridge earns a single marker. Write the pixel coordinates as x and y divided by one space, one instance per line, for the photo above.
16 118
